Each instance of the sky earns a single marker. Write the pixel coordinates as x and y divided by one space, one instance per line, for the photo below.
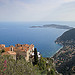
37 10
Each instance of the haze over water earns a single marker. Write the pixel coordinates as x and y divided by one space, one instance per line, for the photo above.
12 33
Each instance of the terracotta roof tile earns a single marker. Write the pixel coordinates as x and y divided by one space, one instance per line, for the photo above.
26 45
12 52
7 48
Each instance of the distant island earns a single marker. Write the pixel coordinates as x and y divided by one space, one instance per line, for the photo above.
53 26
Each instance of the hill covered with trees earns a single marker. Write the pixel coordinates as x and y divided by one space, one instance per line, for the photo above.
67 38
65 57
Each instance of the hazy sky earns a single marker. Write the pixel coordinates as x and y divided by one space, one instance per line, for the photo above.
37 10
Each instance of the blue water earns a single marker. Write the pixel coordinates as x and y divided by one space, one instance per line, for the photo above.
12 33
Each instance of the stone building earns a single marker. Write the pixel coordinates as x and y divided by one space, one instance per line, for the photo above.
12 53
21 49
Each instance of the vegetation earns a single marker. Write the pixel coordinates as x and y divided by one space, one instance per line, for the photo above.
46 66
66 67
67 37
35 56
42 66
9 66
51 72
65 58
2 51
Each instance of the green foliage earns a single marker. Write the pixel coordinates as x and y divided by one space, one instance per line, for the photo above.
67 36
2 51
52 72
42 64
35 56
19 67
46 66
18 56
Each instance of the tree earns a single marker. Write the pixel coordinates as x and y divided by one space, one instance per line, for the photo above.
52 72
2 51
35 56
42 64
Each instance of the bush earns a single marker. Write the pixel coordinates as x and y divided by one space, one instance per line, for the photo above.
21 67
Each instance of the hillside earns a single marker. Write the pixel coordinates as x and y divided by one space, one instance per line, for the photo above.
67 67
65 58
67 37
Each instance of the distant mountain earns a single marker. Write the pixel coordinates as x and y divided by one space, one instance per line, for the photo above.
53 26
68 37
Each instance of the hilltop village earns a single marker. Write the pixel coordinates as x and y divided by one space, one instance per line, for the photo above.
25 50
23 59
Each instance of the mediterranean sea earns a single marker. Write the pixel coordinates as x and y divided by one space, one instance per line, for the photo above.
12 33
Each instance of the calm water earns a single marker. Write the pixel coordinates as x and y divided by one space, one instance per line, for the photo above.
12 33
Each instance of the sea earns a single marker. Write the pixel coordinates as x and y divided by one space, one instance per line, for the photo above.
12 33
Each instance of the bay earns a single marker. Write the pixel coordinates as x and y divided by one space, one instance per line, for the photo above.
12 33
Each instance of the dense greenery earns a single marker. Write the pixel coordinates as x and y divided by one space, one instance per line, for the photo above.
9 66
51 72
67 36
46 66
66 67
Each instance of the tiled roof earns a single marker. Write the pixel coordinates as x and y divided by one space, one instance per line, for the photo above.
12 52
7 48
20 47
26 45
31 46
0 46
26 48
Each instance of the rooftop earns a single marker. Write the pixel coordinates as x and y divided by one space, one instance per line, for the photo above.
9 53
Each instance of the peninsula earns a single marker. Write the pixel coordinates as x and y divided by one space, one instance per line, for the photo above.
53 26
65 57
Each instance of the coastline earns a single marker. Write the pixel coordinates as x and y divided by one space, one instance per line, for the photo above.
56 52
59 49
